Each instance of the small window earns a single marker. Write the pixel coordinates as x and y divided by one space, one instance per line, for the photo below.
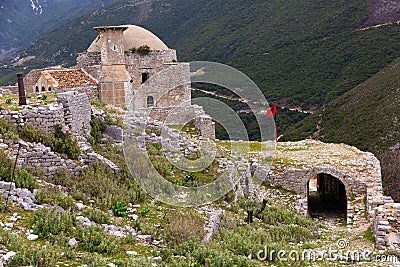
150 101
43 89
145 77
37 89
49 89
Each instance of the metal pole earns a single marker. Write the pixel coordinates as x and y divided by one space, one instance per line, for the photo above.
21 89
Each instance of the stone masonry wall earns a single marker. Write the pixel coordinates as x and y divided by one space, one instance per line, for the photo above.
206 126
44 117
72 113
90 90
77 111
386 226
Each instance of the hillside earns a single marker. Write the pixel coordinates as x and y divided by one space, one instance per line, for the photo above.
366 116
21 22
303 54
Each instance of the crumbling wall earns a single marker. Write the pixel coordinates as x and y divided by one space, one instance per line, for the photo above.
386 226
90 90
72 113
77 111
43 118
206 126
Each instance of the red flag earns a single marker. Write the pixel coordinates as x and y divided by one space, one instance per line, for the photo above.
272 112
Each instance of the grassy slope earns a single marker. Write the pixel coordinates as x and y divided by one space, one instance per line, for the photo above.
366 116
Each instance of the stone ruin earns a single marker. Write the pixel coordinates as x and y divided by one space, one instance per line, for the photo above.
353 176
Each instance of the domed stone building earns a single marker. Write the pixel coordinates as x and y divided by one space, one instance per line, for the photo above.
123 58
133 69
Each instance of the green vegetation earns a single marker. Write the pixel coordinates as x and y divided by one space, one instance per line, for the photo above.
55 197
119 208
58 141
96 215
363 117
21 177
51 222
143 50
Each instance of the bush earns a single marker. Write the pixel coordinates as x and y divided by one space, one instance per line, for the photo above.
23 179
58 141
54 196
51 222
133 50
93 239
143 50
98 128
183 226
97 216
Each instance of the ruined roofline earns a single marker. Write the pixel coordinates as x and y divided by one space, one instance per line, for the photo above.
119 27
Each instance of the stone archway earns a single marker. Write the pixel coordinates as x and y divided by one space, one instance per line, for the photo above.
326 197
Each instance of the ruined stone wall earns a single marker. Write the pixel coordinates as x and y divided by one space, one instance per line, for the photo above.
90 62
90 90
77 111
11 89
44 118
386 226
206 126
169 87
88 59
175 115
151 64
72 113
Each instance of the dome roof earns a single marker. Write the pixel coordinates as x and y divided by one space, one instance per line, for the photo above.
134 36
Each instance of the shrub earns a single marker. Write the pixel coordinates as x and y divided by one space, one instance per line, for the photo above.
51 222
58 141
133 50
276 215
143 50
23 179
183 226
54 196
43 97
98 128
93 239
41 257
8 101
97 216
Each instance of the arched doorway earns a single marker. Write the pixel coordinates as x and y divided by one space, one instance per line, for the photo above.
326 197
150 101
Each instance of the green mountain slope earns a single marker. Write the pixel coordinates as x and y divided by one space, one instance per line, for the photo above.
22 21
303 54
366 117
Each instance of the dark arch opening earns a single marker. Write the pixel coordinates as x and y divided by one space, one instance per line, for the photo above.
326 197
37 89
49 89
43 89
150 101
